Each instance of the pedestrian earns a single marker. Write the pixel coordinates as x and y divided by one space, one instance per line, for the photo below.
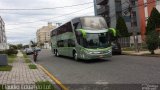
35 54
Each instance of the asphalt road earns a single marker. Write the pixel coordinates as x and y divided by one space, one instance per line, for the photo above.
120 69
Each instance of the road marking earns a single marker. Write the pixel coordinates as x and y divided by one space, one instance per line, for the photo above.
54 78
101 82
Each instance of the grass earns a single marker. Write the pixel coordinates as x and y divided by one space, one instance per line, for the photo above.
25 56
44 85
11 58
6 68
32 66
27 60
2 87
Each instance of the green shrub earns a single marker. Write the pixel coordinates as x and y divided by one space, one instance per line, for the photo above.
32 66
2 87
6 68
11 51
2 52
27 60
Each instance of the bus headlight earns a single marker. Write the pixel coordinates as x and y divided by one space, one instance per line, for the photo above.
88 52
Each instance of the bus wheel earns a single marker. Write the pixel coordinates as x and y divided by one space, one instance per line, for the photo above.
57 54
75 56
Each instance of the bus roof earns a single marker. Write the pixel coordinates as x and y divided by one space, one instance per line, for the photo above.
74 19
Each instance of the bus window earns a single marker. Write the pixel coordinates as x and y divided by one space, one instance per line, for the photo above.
71 43
60 43
77 25
93 23
65 43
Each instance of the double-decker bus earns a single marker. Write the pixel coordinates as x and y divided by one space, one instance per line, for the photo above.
85 37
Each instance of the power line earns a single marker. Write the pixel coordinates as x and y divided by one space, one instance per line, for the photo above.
53 21
53 17
69 14
50 18
22 9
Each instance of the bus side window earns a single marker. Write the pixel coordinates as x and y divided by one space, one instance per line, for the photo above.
60 43
71 43
77 25
65 43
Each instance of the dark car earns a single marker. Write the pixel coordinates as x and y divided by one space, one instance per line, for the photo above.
116 48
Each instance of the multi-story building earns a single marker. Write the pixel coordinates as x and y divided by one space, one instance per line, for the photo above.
43 35
3 39
112 9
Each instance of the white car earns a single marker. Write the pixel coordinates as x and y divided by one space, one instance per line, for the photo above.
28 51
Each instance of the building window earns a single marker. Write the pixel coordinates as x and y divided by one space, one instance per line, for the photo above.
133 3
118 5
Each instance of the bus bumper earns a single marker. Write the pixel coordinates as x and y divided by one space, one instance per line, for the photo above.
88 56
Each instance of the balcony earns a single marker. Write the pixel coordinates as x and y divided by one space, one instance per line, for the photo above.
101 2
103 10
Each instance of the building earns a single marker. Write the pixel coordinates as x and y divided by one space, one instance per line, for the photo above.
3 39
43 35
112 9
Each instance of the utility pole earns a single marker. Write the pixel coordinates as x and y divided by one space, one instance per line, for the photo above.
135 38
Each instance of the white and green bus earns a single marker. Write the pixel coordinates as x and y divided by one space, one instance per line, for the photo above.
82 38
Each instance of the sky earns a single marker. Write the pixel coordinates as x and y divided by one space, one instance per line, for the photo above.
21 25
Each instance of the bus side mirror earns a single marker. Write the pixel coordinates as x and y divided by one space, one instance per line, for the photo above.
112 37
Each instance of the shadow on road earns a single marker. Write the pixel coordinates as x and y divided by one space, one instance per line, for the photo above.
85 61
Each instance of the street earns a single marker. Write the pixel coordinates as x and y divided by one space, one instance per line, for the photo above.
119 69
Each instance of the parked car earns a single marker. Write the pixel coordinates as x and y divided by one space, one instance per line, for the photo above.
28 51
116 48
38 49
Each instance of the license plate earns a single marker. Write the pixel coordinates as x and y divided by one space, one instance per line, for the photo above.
101 56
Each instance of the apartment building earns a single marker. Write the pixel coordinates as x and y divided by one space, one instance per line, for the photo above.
112 9
3 39
43 35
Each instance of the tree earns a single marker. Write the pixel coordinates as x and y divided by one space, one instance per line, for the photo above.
26 46
19 46
11 46
33 44
152 41
121 28
152 37
153 21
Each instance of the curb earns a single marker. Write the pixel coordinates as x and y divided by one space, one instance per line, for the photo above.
141 55
54 78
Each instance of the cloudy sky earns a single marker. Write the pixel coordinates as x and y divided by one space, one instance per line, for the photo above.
21 25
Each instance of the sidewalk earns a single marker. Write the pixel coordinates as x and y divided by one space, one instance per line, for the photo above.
21 74
141 53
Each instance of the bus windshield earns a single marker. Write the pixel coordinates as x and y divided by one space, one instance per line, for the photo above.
93 23
96 40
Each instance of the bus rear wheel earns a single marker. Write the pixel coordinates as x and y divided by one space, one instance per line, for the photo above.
75 55
56 53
